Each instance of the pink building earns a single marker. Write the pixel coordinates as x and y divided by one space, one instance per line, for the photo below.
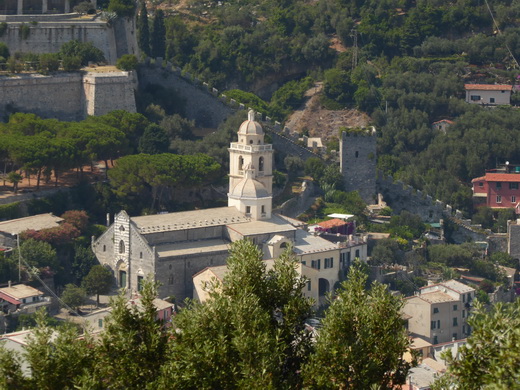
497 189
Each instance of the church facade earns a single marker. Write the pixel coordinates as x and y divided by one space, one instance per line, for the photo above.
174 247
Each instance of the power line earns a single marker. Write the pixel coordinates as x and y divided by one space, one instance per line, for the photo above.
500 33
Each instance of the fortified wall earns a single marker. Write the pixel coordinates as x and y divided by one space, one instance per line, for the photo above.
47 33
68 96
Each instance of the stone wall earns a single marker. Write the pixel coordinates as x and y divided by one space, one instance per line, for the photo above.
400 196
59 96
201 104
105 92
67 96
49 36
358 163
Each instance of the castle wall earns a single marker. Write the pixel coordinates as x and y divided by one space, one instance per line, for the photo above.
358 164
59 96
49 36
67 96
105 92
200 105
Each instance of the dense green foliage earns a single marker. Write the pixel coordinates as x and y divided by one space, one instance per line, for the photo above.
250 333
144 176
492 355
358 321
143 29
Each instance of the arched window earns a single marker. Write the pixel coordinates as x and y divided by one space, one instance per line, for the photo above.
121 246
240 163
121 228
261 164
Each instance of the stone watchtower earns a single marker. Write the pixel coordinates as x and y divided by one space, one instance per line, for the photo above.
251 171
358 162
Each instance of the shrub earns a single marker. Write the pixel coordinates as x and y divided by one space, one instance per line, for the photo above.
127 62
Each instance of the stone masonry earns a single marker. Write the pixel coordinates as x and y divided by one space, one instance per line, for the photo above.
358 163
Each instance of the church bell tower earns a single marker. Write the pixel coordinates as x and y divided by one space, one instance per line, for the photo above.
251 171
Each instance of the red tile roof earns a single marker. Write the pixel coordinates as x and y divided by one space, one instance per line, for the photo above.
444 120
514 177
331 223
488 87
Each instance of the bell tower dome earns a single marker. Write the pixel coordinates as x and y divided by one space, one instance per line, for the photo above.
251 171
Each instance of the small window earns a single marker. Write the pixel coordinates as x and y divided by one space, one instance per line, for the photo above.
435 310
499 199
309 286
251 142
304 262
439 324
435 340
492 100
432 325
170 279
104 248
513 186
475 98
140 255
140 282
100 323
463 297
240 163
170 266
454 335
121 228
455 321
248 209
261 164
499 184
454 307
263 209
481 184
357 154
463 313
357 253
513 199
121 246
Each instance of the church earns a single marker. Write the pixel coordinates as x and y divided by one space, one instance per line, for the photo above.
175 247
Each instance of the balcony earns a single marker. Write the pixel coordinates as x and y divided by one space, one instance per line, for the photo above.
251 148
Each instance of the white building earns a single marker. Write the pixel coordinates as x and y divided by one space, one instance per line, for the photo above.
489 94
174 247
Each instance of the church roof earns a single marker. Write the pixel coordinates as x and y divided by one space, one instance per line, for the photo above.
250 126
273 225
183 220
192 247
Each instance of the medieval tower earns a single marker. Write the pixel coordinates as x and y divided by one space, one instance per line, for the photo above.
358 162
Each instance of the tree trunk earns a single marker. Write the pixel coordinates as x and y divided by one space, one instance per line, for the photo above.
106 169
38 177
97 300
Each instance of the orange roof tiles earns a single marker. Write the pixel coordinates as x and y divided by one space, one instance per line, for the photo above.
331 223
488 87
514 177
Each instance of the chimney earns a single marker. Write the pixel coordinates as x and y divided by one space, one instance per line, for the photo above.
9 284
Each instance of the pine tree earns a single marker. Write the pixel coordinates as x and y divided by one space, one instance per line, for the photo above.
143 30
362 341
249 334
158 41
